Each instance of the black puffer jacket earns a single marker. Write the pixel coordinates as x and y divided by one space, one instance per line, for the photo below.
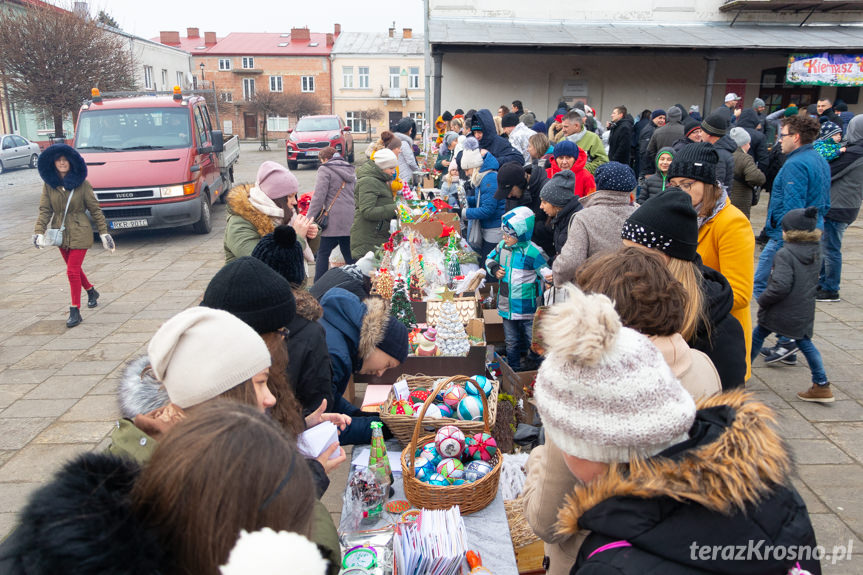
309 371
499 147
727 486
620 140
787 305
722 339
560 224
542 234
725 147
748 120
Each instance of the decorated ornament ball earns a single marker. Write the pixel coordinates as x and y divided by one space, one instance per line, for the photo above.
439 398
451 468
476 470
483 382
419 395
430 452
481 446
423 468
454 396
445 410
401 407
449 441
470 408
438 479
432 412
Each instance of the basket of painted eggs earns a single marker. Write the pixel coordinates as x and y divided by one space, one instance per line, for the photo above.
454 401
451 466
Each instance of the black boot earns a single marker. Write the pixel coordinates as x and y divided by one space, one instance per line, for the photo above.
74 317
92 297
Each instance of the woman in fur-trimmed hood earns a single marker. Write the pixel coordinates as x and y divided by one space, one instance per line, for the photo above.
67 196
661 483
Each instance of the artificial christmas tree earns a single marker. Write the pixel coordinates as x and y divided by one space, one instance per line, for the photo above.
451 336
401 306
417 275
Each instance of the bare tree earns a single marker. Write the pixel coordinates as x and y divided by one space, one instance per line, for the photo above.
300 105
371 115
268 104
51 58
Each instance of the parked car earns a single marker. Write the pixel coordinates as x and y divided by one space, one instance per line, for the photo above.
314 133
17 152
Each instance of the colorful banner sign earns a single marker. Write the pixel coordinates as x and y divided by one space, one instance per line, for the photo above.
825 69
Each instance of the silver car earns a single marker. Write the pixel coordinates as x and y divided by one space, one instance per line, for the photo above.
17 152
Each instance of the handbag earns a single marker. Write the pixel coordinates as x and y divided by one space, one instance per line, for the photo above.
322 220
54 236
756 195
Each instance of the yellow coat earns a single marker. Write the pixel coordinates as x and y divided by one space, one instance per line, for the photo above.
727 244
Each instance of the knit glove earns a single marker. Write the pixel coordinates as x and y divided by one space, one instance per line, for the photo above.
38 241
108 242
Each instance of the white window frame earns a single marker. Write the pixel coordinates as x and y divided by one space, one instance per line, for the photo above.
248 88
347 76
224 64
278 123
148 78
227 97
414 78
355 121
248 62
419 118
394 77
275 83
181 79
363 77
165 79
307 84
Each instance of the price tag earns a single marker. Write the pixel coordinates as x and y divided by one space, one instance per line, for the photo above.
400 388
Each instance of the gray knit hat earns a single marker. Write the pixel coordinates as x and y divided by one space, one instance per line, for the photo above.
740 136
528 119
559 189
604 392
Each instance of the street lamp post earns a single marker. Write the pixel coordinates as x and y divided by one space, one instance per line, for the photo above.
202 74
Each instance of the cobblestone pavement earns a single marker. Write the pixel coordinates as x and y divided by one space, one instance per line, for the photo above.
57 385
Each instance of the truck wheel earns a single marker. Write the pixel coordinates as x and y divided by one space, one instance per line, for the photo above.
229 183
293 164
205 224
34 159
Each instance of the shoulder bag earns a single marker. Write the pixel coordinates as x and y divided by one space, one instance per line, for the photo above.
54 236
322 220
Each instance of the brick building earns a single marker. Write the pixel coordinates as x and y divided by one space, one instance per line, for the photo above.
241 65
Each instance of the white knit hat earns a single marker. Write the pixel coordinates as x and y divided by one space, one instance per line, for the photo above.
202 352
385 158
267 552
471 159
604 392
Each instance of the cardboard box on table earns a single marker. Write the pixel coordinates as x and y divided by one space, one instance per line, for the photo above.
443 366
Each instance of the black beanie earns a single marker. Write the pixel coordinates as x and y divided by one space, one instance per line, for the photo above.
689 125
696 161
510 174
395 341
801 219
509 120
715 124
667 223
281 251
446 117
253 292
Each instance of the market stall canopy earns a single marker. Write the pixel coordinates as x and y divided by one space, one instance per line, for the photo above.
791 6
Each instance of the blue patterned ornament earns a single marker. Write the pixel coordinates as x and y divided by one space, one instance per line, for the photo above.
476 470
470 408
440 395
483 382
459 481
438 479
451 468
423 468
430 452
481 446
445 410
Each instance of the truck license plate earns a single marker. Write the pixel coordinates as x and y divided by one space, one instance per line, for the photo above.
122 224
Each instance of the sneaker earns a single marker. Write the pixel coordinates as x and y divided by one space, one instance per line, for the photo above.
817 394
824 295
790 360
766 351
780 352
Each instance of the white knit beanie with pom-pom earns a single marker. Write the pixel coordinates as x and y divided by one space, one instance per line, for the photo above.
604 392
266 552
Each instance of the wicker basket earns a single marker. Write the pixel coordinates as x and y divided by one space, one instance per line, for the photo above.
402 426
470 497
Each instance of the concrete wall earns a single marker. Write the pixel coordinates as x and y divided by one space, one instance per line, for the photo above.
160 57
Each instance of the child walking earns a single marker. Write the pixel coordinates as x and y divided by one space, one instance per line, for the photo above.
521 267
787 306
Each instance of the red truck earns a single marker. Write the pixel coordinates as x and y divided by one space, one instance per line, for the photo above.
155 161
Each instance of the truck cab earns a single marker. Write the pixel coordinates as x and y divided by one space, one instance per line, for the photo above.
155 161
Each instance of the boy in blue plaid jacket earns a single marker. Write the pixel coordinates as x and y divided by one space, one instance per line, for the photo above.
521 267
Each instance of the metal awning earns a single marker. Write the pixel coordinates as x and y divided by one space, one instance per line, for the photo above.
534 34
791 6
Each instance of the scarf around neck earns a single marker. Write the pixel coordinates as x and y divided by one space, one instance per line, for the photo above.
720 203
261 202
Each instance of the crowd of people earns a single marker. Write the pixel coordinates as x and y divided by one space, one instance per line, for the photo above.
626 249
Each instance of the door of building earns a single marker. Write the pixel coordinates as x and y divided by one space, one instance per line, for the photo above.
394 119
250 123
777 94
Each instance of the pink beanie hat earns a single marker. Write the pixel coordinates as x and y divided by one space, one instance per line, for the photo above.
276 181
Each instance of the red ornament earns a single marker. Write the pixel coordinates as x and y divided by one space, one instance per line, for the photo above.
418 396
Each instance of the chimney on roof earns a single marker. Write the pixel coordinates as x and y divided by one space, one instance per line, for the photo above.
169 38
392 32
192 33
209 38
330 40
300 35
337 29
407 33
81 9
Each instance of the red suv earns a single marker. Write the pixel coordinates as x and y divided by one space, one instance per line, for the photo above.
314 133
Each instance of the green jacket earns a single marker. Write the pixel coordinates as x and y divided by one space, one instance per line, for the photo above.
592 144
246 225
129 441
376 208
79 233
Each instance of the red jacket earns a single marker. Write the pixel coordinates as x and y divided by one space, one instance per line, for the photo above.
584 183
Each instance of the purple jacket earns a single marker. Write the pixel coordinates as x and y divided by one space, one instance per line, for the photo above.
330 177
